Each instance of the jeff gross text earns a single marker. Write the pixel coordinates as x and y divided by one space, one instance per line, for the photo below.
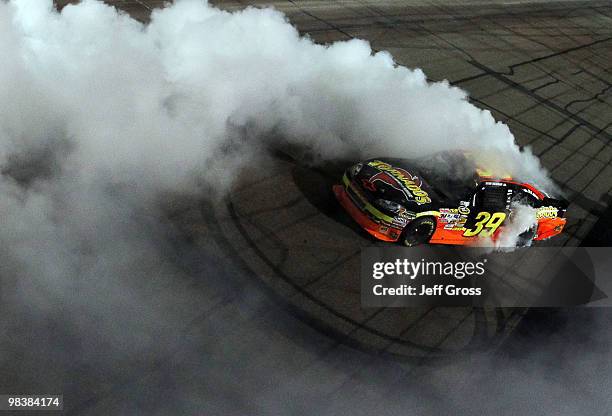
401 269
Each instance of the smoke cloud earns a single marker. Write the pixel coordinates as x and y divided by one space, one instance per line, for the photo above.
101 117
164 105
521 221
96 106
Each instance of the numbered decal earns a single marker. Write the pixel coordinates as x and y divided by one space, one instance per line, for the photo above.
486 224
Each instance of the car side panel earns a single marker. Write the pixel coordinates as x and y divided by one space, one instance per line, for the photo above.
549 227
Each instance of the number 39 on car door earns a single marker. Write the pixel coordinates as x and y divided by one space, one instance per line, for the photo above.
486 224
490 208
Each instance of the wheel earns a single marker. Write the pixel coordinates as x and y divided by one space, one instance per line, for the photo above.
418 231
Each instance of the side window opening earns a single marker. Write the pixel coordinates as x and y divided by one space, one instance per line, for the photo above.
493 198
523 198
487 198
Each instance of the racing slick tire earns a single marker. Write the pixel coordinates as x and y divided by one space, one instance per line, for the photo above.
418 231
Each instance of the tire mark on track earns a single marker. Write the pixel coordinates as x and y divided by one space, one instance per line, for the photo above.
305 293
511 71
500 76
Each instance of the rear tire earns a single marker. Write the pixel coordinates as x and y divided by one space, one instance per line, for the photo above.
418 232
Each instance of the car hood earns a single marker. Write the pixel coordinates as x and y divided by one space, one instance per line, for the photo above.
410 183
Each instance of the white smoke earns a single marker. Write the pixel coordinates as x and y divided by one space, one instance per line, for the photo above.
97 108
101 116
155 105
522 219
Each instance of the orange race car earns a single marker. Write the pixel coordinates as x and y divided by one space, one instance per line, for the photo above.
412 202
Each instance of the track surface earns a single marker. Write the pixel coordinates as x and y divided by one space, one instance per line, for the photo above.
306 250
287 319
541 68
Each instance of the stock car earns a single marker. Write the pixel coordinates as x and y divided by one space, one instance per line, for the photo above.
412 202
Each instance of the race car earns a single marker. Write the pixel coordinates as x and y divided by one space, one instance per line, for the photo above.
410 201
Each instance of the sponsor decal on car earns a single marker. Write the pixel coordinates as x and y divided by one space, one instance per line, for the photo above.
408 215
399 222
454 218
464 207
547 212
407 183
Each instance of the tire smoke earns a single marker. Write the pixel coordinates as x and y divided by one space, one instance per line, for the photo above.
198 92
102 116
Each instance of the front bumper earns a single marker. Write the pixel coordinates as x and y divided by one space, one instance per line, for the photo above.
377 227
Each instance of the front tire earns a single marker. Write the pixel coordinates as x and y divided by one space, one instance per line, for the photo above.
418 232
